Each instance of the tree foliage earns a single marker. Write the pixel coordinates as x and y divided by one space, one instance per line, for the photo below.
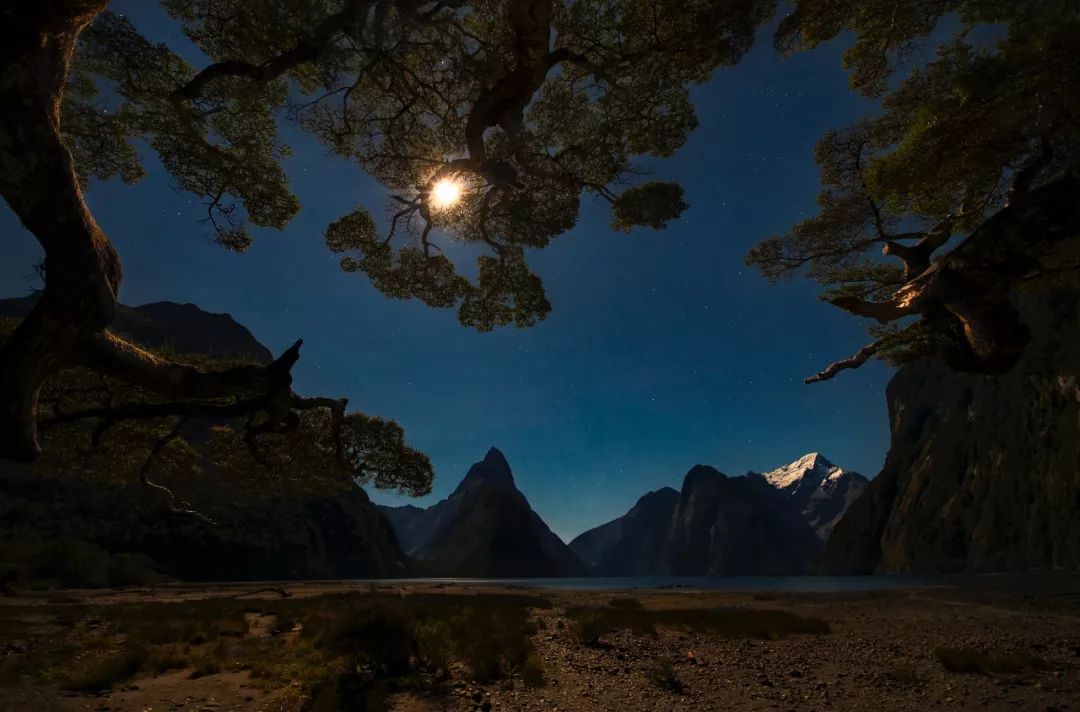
525 106
976 148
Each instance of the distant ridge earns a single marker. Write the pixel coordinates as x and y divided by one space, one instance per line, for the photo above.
184 328
758 524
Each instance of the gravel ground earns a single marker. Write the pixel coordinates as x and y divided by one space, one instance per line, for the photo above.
879 656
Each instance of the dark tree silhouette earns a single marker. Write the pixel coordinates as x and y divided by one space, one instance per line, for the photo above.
975 155
525 105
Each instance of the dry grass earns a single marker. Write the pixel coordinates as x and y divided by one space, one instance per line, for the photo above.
972 661
97 647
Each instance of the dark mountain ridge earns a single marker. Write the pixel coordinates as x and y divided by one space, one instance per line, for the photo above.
633 544
183 328
720 525
732 526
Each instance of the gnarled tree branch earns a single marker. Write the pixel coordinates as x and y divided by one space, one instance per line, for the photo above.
971 284
854 361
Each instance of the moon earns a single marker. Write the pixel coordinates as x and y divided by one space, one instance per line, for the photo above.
445 193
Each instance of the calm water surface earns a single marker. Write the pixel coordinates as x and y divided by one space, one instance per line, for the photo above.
796 584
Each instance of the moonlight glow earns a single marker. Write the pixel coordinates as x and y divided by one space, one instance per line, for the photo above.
445 193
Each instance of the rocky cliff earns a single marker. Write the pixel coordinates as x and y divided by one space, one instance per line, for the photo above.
983 472
485 528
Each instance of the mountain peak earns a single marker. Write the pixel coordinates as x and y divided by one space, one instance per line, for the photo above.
662 495
492 471
821 490
486 528
701 476
813 467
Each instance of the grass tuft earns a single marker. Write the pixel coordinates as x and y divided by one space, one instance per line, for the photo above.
532 671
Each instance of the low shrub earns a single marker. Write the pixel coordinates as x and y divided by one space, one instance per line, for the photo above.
662 674
590 625
972 661
100 671
435 640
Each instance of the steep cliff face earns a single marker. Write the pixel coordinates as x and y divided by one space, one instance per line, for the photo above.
485 528
983 472
633 544
728 526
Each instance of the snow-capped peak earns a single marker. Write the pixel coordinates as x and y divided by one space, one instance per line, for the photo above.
820 489
813 466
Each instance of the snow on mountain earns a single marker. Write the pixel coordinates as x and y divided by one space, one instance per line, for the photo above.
821 490
811 468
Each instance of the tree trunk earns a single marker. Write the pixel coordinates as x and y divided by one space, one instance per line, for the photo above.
82 270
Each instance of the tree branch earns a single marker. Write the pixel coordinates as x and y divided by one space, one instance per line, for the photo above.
112 356
854 361
503 104
306 50
916 258
971 284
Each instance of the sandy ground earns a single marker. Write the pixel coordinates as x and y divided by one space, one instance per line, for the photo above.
879 656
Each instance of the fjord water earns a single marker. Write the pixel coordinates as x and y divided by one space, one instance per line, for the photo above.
790 584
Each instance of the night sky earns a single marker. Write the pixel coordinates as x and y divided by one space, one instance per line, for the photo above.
662 350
